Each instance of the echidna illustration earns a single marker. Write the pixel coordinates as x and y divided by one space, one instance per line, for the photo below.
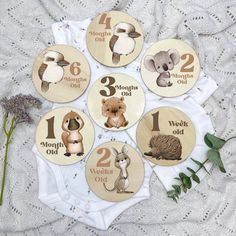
167 147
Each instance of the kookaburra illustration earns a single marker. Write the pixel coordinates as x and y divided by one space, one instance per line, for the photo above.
51 70
122 42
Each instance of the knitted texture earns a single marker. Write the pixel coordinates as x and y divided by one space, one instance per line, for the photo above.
210 27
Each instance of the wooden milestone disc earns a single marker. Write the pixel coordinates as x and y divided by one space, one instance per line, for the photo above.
166 136
116 101
114 38
61 73
114 171
170 68
62 135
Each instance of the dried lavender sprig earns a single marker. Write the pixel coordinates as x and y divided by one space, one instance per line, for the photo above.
16 106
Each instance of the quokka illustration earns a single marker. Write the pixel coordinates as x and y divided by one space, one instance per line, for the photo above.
162 62
122 42
114 108
51 70
167 147
122 161
71 137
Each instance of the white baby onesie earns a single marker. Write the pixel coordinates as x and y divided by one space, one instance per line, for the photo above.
64 188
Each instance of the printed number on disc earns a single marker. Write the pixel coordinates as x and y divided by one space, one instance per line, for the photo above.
114 171
62 136
170 68
116 101
166 136
114 38
61 73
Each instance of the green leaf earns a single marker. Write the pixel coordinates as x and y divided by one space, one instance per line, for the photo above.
196 178
197 162
174 199
177 178
214 157
200 165
182 175
214 142
191 170
187 183
177 188
185 189
171 193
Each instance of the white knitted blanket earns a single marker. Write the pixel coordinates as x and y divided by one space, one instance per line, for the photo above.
209 25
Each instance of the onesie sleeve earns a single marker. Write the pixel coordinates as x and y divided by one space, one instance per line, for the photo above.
203 89
71 32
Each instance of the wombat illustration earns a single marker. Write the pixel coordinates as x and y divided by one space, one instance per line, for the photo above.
114 108
167 147
162 62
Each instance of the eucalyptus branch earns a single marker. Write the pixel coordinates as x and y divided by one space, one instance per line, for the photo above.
213 156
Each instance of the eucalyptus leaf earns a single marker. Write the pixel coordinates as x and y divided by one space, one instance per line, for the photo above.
174 199
182 175
196 178
214 157
191 170
171 193
177 188
185 189
214 142
187 182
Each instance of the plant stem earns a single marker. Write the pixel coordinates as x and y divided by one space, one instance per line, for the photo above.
230 138
8 141
203 163
201 166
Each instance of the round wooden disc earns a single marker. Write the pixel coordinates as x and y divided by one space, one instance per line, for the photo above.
166 136
113 99
170 68
62 135
61 73
114 38
111 171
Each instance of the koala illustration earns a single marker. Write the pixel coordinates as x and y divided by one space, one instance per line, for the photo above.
162 62
114 108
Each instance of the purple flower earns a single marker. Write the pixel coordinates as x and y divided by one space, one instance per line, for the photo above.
17 106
